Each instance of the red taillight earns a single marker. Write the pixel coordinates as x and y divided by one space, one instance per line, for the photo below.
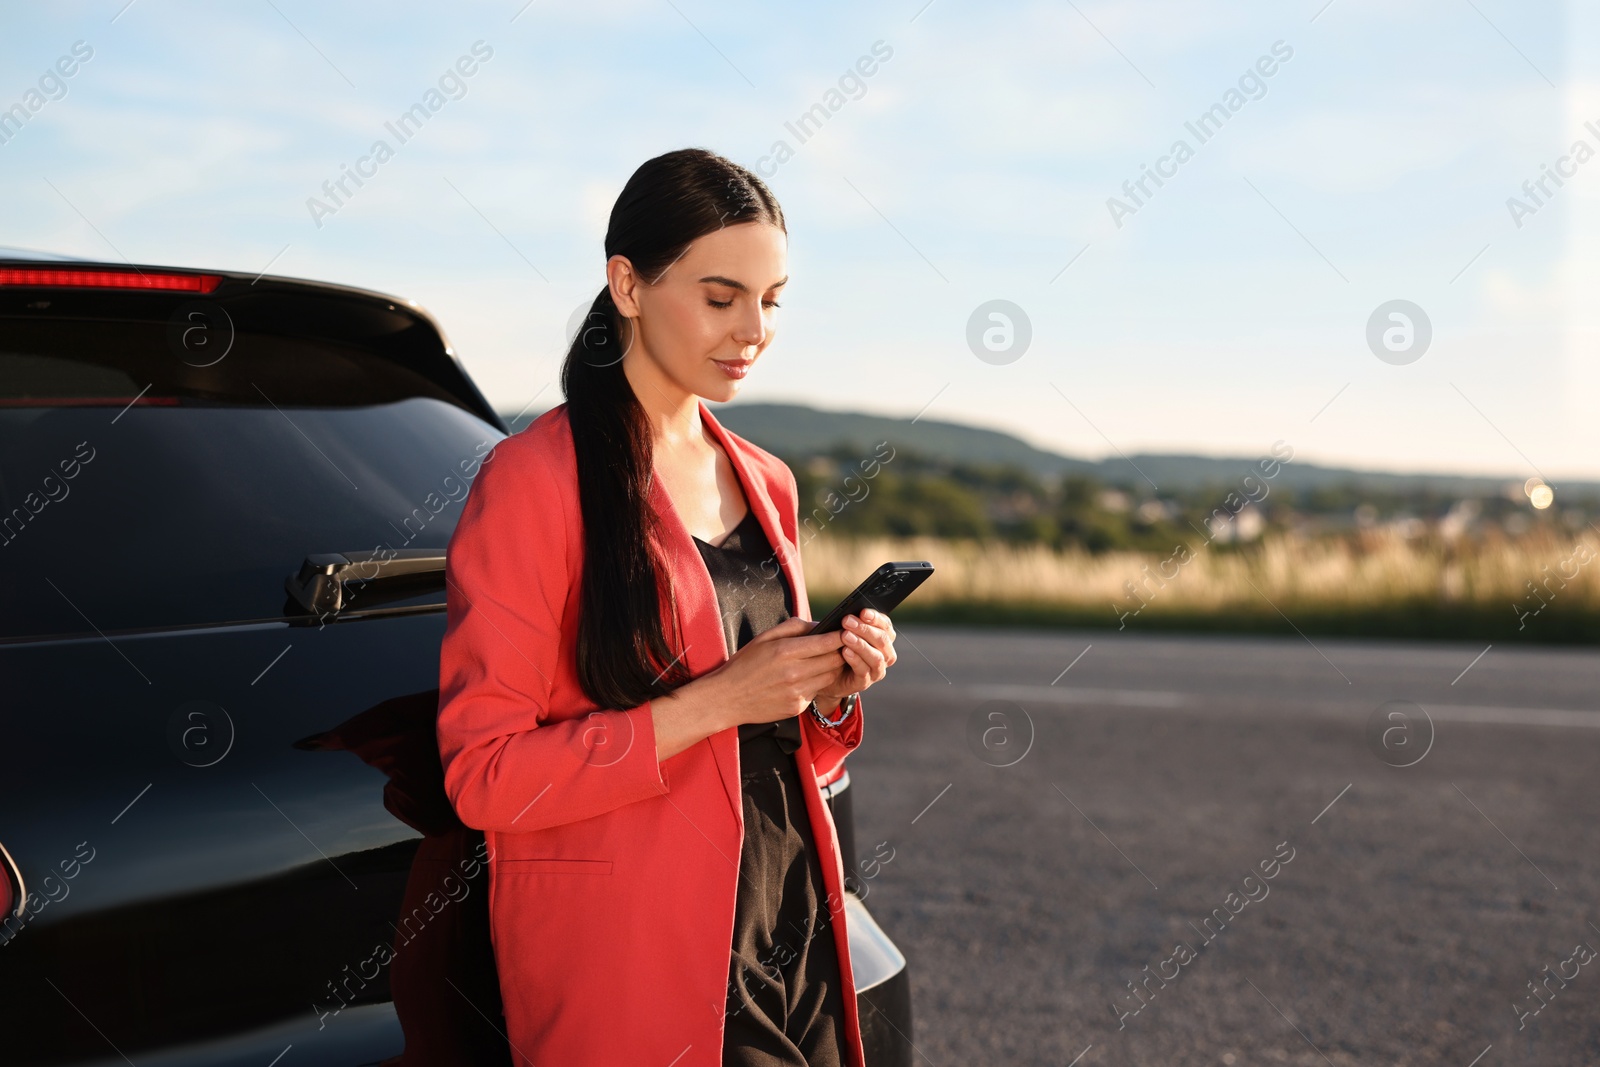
10 881
110 279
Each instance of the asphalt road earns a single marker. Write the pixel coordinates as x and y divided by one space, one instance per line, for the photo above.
1044 858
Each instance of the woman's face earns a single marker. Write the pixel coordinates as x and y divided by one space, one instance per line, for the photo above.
706 320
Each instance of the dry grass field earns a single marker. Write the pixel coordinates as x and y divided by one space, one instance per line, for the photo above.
1376 583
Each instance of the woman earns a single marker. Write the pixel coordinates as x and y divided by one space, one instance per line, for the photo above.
630 705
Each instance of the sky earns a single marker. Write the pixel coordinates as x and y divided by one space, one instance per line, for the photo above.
983 158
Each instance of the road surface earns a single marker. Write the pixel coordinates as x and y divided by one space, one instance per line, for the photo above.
1061 818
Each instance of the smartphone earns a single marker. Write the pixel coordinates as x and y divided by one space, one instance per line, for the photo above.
884 590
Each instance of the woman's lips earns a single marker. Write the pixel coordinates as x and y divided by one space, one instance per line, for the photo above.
733 368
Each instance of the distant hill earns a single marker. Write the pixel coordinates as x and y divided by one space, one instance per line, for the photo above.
795 430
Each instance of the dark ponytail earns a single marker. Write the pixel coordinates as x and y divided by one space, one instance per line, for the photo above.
624 656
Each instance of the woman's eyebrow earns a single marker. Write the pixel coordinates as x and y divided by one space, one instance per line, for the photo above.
717 279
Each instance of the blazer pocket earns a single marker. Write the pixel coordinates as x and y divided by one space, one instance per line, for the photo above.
554 866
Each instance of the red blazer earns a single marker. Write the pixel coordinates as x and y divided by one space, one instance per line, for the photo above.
612 875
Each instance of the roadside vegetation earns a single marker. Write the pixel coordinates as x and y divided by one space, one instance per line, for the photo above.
1255 555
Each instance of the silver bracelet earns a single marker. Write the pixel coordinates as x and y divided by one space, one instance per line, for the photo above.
847 707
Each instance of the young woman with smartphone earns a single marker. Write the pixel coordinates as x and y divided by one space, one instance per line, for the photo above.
632 706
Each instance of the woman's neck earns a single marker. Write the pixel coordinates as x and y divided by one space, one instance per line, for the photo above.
674 412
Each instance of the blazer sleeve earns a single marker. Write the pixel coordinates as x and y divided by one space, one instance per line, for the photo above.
508 766
829 745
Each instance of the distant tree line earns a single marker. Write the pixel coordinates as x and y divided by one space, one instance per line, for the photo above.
915 495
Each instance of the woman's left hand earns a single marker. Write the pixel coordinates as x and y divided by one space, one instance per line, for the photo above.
868 654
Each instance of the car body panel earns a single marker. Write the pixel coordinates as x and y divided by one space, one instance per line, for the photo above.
226 815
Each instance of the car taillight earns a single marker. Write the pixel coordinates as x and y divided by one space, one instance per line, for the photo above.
109 279
10 886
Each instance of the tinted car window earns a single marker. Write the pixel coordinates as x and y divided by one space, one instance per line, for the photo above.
140 491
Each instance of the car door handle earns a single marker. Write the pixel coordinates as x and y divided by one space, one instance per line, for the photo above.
319 585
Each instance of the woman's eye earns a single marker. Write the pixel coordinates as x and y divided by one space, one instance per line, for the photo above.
771 303
719 303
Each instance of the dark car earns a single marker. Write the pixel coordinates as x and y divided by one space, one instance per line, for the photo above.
224 508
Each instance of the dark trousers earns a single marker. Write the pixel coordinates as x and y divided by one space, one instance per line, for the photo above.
785 1006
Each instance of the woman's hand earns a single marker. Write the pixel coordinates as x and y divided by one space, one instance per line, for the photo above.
776 674
868 649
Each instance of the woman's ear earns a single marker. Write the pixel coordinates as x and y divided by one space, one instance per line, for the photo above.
622 279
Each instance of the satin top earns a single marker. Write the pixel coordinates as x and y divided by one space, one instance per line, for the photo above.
753 596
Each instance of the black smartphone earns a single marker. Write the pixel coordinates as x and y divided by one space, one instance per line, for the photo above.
884 590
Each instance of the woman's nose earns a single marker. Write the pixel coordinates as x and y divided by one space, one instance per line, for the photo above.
751 328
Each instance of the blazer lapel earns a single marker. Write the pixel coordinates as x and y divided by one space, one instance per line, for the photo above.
699 615
758 493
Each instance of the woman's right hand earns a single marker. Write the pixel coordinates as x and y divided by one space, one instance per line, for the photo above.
774 676
778 672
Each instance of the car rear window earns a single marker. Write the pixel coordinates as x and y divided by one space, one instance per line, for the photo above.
141 490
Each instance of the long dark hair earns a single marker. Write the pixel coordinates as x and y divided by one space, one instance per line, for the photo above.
624 657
